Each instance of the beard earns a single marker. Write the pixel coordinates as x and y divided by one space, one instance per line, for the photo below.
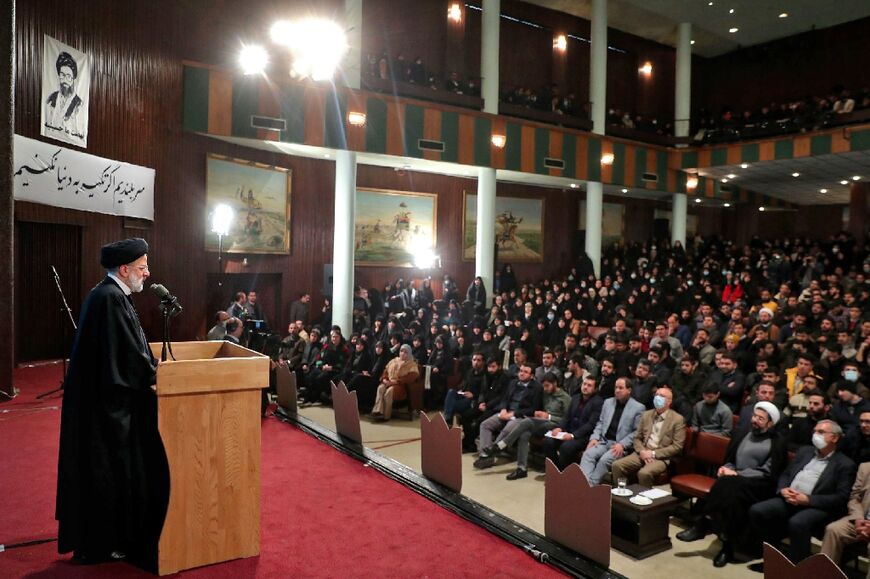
65 89
136 282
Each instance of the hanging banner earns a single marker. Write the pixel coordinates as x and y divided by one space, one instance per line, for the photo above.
53 175
66 86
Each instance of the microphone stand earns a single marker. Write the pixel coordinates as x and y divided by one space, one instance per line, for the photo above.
169 309
75 327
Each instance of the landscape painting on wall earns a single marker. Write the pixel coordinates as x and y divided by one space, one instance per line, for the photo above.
259 196
392 227
519 229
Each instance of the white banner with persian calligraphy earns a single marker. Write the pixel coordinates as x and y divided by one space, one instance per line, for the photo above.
57 176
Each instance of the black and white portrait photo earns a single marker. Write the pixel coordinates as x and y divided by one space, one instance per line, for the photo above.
66 82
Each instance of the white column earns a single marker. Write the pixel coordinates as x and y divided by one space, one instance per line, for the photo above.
343 241
353 60
683 89
598 96
484 253
678 218
594 211
598 66
489 55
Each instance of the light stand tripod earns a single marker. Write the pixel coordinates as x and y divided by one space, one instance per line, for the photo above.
71 320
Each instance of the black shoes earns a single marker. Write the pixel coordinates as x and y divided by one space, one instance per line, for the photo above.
757 567
484 462
694 533
519 473
723 557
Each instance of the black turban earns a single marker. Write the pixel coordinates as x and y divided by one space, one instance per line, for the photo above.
122 252
64 59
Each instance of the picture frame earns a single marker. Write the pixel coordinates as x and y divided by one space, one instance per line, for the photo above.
519 228
612 222
391 227
260 196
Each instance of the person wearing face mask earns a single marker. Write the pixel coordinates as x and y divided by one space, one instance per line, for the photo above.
851 374
112 480
812 492
753 461
801 431
661 434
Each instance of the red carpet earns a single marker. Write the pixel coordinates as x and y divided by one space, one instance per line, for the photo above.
323 515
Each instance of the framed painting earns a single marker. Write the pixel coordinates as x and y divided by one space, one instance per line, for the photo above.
519 229
612 222
391 227
260 198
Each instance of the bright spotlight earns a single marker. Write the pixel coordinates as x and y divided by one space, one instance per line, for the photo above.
498 141
691 182
560 43
253 59
425 258
646 69
281 32
221 219
316 45
607 159
761 209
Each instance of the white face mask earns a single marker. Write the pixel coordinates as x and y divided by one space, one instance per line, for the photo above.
819 441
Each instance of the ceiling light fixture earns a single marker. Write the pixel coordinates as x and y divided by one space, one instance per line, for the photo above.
573 185
726 205
823 190
691 182
691 42
697 200
646 69
795 174
844 182
724 179
253 59
733 30
784 15
856 178
356 119
498 141
761 208
731 176
625 190
607 159
560 43
744 165
454 13
731 11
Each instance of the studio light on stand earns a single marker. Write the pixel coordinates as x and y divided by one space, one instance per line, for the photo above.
221 220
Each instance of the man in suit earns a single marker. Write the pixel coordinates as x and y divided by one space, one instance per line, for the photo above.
660 437
235 328
577 425
812 492
523 397
614 433
854 527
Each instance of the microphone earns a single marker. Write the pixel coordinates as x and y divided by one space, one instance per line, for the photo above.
165 296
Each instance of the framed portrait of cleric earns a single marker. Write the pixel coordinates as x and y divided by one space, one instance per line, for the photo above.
66 86
519 229
259 196
392 227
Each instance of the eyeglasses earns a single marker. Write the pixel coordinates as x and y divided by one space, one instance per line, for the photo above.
66 75
817 431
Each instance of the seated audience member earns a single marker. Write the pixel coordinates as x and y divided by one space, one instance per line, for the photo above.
360 361
753 461
574 375
523 397
219 330
548 364
848 407
328 366
730 380
607 379
661 434
555 405
292 349
687 383
577 424
235 328
801 431
812 492
464 396
856 445
366 382
613 434
520 358
661 335
701 342
658 369
797 404
399 374
495 384
851 373
645 383
441 363
855 526
765 393
794 376
711 415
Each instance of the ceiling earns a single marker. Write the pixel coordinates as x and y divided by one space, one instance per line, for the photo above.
775 178
757 21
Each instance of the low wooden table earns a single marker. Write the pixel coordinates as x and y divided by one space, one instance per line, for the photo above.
641 531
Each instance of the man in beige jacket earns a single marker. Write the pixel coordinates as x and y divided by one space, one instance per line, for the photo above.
660 437
854 527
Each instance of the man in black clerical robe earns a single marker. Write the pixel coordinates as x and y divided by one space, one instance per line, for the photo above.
113 477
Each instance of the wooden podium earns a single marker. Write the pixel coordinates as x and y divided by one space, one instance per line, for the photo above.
208 405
